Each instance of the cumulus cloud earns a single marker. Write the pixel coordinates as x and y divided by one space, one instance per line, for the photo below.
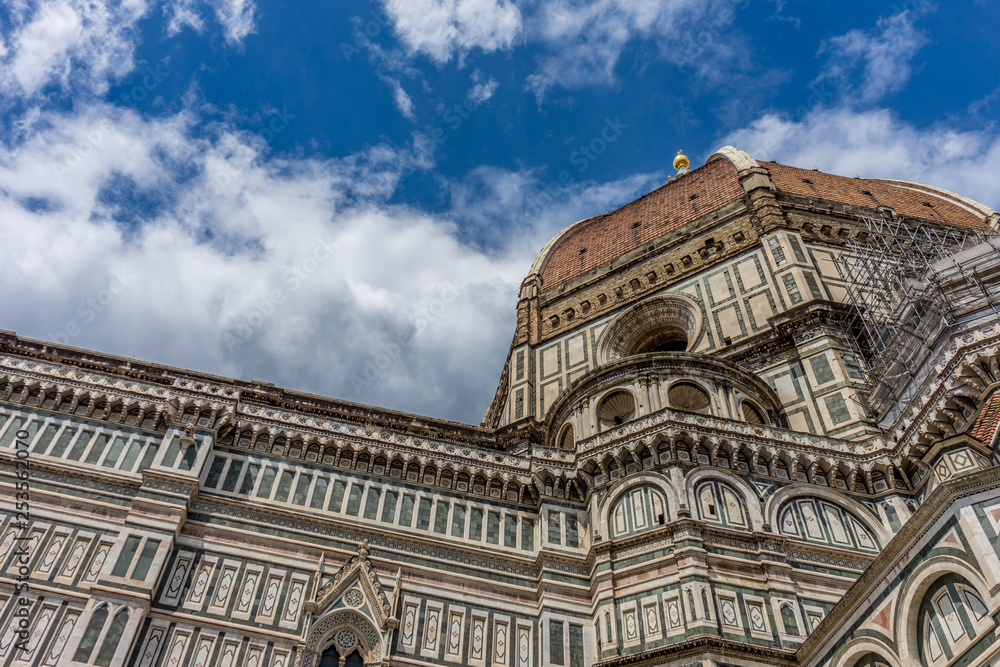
875 143
82 44
442 29
399 96
147 238
483 87
237 18
584 40
869 64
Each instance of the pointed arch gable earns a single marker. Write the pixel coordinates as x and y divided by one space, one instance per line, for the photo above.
357 571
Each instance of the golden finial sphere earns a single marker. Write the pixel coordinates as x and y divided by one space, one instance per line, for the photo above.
681 161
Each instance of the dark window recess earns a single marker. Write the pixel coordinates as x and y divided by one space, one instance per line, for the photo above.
821 369
476 524
510 532
813 286
232 476
572 532
371 503
797 249
424 514
555 530
214 473
792 288
441 518
575 645
556 651
519 373
527 534
837 408
337 497
493 528
458 522
776 251
406 511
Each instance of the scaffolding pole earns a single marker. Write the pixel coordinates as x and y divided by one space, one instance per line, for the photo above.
899 295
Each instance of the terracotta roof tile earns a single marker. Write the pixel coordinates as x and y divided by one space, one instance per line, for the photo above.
596 241
872 193
985 425
609 236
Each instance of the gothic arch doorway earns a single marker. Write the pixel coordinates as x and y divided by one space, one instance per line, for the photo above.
331 658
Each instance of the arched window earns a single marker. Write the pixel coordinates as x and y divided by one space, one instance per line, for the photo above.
788 620
567 439
720 503
689 397
871 660
950 619
638 510
751 413
705 605
815 520
616 409
112 639
91 635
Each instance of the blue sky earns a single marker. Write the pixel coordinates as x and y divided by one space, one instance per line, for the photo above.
343 197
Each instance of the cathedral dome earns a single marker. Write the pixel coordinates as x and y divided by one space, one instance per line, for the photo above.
703 194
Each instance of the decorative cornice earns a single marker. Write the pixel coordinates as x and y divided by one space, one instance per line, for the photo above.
703 644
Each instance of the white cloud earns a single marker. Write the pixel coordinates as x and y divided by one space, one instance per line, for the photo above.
483 88
442 29
78 44
237 18
877 144
183 13
584 39
870 64
291 270
399 96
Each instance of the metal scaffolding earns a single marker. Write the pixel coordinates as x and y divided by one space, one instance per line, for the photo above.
904 293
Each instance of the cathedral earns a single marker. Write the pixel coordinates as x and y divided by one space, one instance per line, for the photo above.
748 419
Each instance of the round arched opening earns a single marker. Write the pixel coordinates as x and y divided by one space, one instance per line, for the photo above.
751 414
660 324
616 409
664 339
689 397
566 439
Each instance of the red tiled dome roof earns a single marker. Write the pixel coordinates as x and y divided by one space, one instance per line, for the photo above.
596 241
910 200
